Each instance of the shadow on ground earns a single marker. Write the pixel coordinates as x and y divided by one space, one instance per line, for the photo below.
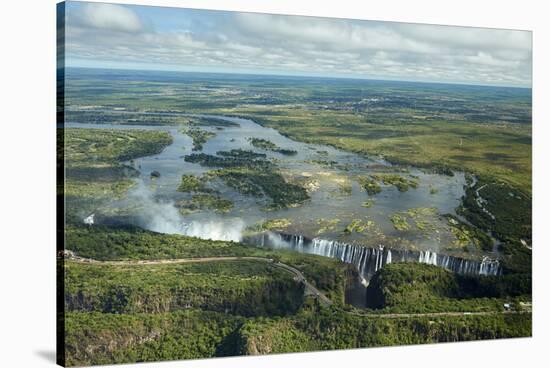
48 355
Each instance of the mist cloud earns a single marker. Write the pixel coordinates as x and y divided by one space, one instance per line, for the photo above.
163 217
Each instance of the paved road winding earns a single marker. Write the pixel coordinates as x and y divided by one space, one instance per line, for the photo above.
309 289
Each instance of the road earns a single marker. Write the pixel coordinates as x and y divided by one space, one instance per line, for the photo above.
309 289
434 314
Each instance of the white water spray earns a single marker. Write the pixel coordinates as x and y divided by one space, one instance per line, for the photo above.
369 260
164 217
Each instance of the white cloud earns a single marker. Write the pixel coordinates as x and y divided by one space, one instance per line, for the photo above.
110 17
282 44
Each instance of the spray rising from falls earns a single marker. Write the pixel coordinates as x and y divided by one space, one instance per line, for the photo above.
369 260
164 217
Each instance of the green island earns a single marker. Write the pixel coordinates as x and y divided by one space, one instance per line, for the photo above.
205 201
193 183
210 121
251 174
400 222
370 185
401 183
270 146
199 137
359 226
204 198
273 224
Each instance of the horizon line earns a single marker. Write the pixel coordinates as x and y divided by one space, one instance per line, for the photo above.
356 78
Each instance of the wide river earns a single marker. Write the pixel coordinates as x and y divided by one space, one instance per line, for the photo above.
317 226
328 212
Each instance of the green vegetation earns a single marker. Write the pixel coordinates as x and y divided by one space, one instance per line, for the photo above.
329 164
94 168
247 288
275 224
469 235
270 146
205 201
401 183
134 313
199 136
242 155
132 243
105 338
358 226
263 183
439 143
228 159
369 184
129 313
474 129
327 225
111 146
425 219
250 174
400 222
211 122
504 211
344 188
193 183
97 338
329 329
495 206
267 336
421 288
124 117
517 258
368 203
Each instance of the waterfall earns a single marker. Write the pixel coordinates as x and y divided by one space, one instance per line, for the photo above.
368 260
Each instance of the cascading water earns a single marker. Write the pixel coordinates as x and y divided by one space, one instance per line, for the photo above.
369 260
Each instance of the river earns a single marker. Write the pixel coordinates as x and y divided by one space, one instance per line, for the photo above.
323 218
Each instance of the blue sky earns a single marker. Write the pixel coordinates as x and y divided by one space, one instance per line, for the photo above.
160 38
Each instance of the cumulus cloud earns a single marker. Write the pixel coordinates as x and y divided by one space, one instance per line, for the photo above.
109 17
183 38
